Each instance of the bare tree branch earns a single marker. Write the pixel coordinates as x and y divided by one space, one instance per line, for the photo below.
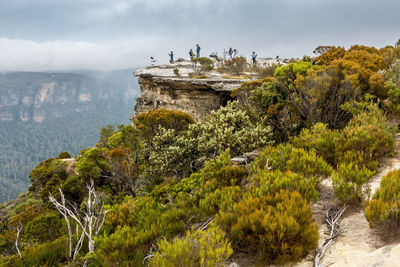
332 217
19 229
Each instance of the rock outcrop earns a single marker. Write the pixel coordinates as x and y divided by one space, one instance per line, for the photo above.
171 87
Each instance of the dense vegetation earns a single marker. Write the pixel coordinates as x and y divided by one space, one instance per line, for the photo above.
26 143
173 197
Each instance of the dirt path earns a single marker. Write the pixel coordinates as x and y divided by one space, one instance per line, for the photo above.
358 246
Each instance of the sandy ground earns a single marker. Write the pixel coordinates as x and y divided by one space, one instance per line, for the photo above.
358 246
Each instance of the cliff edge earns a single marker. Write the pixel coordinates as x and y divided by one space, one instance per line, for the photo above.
173 87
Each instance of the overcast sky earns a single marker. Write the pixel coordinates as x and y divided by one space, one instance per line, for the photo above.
38 35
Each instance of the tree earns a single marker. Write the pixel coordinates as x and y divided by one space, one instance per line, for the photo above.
148 122
89 222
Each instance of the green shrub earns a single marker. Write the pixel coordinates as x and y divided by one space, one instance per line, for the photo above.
43 228
349 182
272 182
229 128
383 210
320 139
149 122
279 227
64 155
198 248
234 66
205 65
286 157
47 254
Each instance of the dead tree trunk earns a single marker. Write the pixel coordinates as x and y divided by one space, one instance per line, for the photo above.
19 229
88 222
332 217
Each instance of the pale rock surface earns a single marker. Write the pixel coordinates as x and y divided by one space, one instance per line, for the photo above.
160 87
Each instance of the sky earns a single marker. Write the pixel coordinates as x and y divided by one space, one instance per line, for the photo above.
49 35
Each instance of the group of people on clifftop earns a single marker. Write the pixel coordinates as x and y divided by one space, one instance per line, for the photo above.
191 54
232 53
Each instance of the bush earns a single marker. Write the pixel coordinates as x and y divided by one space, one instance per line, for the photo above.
286 157
229 128
206 65
349 182
64 155
198 248
149 122
383 210
234 66
43 228
47 254
272 182
279 227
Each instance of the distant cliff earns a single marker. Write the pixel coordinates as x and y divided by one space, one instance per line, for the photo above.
36 97
42 114
171 87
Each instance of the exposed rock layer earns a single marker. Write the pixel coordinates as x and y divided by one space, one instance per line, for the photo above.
160 87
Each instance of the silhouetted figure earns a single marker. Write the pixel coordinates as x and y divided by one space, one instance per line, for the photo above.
152 60
235 52
230 52
277 59
198 51
253 57
191 54
171 55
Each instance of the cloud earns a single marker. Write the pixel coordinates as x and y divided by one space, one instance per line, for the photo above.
62 34
27 55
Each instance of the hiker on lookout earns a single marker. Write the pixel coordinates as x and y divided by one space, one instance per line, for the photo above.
171 55
253 57
197 51
191 54
230 53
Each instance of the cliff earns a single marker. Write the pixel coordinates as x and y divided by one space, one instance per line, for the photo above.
171 87
42 114
35 96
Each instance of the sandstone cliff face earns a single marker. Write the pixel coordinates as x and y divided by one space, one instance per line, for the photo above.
160 87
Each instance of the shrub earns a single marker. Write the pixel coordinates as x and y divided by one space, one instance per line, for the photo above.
64 155
47 254
45 171
234 66
176 72
349 182
229 128
198 248
272 182
286 157
320 139
368 135
383 210
43 228
149 122
279 227
205 63
171 155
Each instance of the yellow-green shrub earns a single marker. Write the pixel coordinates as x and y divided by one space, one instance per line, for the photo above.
320 139
271 182
383 210
349 182
279 227
198 248
286 157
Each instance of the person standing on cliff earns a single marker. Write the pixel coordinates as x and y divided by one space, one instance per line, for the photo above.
230 52
197 51
253 57
191 54
152 60
171 55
